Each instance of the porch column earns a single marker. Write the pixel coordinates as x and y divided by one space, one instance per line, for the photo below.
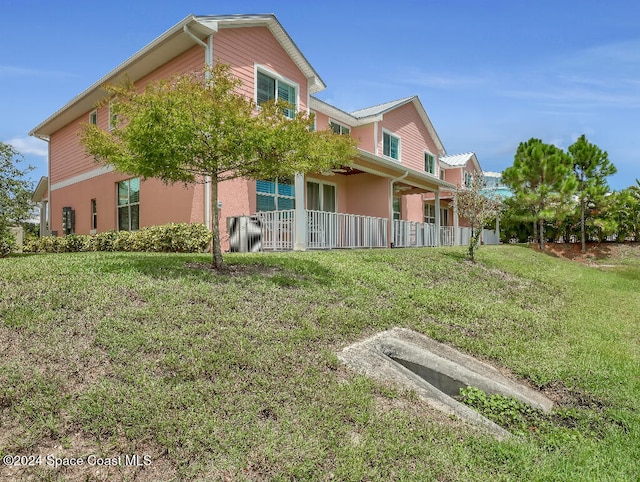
300 228
456 222
437 208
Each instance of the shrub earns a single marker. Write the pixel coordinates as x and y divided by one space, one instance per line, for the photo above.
181 238
7 243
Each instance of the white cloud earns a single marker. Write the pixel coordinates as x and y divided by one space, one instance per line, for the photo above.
29 145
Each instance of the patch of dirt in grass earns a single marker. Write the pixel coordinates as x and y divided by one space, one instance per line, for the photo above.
565 396
595 251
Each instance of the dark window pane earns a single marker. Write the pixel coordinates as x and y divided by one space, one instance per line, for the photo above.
265 203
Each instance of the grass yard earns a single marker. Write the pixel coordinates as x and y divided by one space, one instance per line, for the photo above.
235 376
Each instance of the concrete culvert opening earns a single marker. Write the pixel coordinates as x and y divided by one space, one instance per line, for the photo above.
436 372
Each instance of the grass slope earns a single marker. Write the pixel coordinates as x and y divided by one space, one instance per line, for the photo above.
234 377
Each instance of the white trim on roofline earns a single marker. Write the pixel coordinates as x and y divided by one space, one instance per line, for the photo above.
82 177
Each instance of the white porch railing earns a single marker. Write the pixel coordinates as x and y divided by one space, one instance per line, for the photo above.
278 228
325 230
339 230
407 234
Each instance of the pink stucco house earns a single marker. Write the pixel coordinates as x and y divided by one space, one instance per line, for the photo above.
381 200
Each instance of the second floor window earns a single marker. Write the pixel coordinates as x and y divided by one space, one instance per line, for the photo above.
339 128
467 179
429 163
270 88
391 146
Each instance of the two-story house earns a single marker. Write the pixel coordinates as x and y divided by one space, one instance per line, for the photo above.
377 201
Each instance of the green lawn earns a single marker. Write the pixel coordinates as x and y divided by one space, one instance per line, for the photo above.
235 377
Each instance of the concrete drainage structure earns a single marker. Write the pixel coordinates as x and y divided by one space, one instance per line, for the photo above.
436 372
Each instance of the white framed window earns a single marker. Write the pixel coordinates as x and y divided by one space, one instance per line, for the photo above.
321 196
271 86
339 128
429 163
93 118
429 213
441 173
129 205
397 209
275 195
390 145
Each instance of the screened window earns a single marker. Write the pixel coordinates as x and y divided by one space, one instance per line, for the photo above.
275 195
129 205
339 128
93 117
391 146
269 88
429 163
321 197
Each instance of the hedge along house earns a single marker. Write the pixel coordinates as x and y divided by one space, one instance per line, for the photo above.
376 202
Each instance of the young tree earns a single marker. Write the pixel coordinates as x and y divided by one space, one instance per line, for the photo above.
198 127
541 178
479 207
591 167
15 195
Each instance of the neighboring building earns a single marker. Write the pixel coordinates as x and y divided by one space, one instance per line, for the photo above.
378 201
495 185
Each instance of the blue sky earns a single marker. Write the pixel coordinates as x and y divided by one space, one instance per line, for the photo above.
490 73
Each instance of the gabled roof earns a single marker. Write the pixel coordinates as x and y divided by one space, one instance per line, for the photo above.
41 189
376 113
460 160
381 109
170 44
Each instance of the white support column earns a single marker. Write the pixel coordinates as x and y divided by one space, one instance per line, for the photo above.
437 208
456 222
300 234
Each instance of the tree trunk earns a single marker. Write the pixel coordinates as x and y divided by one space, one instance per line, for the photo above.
541 230
583 230
215 225
535 230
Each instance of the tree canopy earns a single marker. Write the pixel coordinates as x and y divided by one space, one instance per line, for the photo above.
199 128
591 166
542 179
15 194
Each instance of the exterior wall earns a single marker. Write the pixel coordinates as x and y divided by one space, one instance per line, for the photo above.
322 121
413 207
159 204
368 195
243 48
67 157
405 122
366 137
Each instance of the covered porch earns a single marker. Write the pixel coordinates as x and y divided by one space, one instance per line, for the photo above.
375 203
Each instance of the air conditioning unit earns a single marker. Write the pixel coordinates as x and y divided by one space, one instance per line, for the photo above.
245 234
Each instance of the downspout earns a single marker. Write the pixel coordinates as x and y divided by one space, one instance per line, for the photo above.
47 230
393 181
208 60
